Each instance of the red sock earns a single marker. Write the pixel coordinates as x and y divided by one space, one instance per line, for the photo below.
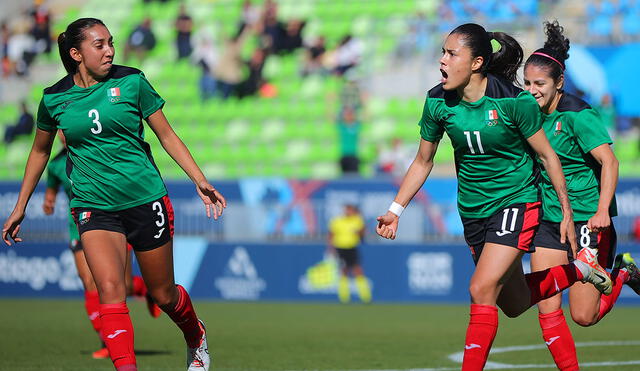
618 277
546 283
185 317
139 288
92 306
483 326
557 336
117 332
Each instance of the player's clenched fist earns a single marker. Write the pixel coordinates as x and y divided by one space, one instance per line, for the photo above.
387 225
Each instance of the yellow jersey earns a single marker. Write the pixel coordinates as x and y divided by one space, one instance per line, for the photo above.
345 231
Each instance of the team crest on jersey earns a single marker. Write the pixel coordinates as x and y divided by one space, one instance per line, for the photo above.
84 217
113 94
492 117
65 104
558 128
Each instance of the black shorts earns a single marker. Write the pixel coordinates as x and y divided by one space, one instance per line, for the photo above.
348 257
512 226
548 236
146 226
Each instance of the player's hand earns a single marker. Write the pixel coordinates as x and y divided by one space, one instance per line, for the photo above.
213 200
48 207
599 221
568 234
387 225
12 227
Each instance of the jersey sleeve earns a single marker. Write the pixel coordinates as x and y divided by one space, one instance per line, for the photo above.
44 121
149 101
52 180
526 115
431 129
590 130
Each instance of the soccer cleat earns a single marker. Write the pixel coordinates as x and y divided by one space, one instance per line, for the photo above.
198 358
100 353
625 261
596 275
154 309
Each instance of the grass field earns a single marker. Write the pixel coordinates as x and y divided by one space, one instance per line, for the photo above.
55 335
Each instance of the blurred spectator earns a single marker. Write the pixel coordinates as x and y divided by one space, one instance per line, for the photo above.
273 32
41 29
4 48
24 126
347 54
345 235
205 55
228 70
20 50
608 113
250 16
184 27
349 134
395 160
141 40
292 37
254 80
313 57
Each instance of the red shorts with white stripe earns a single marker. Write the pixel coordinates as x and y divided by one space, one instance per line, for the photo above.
548 236
513 226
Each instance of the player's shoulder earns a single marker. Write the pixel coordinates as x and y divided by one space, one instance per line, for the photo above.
438 92
571 103
61 86
499 88
119 71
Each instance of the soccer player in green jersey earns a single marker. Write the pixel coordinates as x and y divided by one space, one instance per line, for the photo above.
56 178
118 193
494 128
579 137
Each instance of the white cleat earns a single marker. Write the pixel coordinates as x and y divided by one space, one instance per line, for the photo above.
198 358
595 274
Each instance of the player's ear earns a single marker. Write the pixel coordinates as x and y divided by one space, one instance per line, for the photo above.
75 54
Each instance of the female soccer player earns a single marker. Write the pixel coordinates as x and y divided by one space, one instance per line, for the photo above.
492 124
56 177
118 194
579 137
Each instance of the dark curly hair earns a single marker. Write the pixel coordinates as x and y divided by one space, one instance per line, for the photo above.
555 52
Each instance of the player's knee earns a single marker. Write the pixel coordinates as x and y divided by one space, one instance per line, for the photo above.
481 292
166 297
112 289
584 319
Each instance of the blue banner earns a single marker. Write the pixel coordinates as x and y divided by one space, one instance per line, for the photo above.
396 273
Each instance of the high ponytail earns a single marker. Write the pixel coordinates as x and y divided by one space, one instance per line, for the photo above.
504 62
555 52
72 37
507 59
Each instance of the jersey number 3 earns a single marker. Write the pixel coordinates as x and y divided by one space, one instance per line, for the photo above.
96 120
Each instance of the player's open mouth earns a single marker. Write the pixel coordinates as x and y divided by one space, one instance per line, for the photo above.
445 75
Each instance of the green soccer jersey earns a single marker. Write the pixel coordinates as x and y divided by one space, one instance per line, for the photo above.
574 129
111 167
494 163
56 177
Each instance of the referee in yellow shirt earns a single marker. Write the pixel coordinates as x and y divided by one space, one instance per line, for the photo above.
345 234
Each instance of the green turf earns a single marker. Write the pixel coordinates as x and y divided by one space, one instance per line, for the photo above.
55 335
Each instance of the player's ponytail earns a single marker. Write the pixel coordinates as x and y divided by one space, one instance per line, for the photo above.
504 62
507 59
555 52
71 38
